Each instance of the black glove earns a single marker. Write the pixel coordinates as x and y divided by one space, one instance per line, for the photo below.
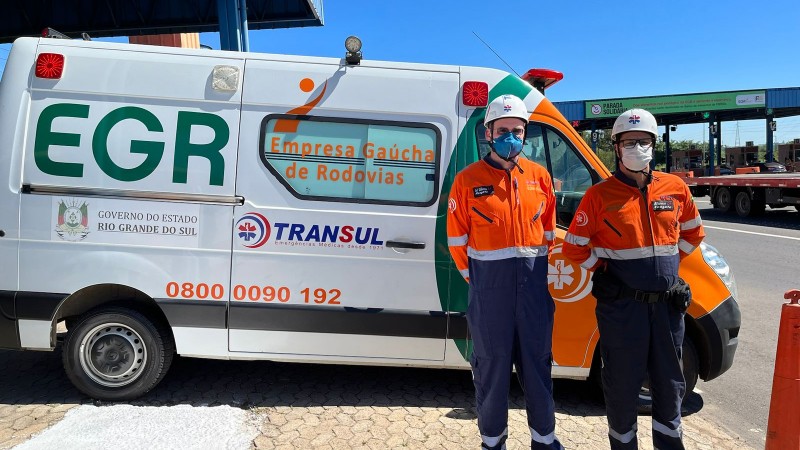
680 295
605 287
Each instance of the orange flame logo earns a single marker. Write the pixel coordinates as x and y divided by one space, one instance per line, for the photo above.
290 125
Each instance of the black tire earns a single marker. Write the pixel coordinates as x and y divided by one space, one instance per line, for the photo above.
116 353
747 206
690 363
744 205
723 199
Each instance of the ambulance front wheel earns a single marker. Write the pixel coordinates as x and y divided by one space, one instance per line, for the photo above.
116 353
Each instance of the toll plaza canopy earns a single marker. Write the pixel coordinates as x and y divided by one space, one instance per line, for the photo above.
101 18
712 108
680 109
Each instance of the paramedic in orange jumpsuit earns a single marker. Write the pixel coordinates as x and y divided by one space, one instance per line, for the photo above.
500 226
632 230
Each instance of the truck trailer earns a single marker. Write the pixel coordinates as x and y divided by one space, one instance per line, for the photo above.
748 194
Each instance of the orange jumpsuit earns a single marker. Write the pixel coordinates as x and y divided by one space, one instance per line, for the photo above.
640 236
500 227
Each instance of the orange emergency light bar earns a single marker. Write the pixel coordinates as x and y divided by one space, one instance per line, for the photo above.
542 79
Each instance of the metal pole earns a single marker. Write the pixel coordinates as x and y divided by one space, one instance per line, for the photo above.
234 33
243 25
222 11
719 144
667 149
710 148
591 136
769 156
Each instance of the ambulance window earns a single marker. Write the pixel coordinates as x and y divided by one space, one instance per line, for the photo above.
353 160
534 145
571 175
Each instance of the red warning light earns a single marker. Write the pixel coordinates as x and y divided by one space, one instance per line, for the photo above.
49 65
475 93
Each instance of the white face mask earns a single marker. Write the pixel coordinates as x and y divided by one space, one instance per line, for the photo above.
636 158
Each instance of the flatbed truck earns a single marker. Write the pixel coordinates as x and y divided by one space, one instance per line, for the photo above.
748 194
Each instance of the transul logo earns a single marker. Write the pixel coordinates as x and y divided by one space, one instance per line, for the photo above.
569 282
341 236
253 230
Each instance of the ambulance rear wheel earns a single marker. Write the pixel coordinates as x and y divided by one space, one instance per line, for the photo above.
116 353
724 199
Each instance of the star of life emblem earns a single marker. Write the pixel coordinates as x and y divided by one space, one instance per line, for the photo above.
73 220
581 219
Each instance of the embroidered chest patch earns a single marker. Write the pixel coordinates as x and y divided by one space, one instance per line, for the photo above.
663 205
482 191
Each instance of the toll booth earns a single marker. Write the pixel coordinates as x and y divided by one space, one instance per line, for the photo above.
687 159
790 151
741 156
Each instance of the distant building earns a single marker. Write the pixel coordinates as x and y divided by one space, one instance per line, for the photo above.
185 40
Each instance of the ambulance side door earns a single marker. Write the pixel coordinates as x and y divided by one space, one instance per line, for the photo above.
333 250
142 167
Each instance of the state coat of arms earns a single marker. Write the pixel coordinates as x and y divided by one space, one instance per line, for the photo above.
73 220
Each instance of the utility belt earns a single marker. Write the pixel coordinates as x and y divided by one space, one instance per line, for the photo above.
607 288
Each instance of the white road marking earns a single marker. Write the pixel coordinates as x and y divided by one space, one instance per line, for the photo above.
135 427
752 232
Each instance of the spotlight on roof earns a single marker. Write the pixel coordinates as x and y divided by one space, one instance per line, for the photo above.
353 46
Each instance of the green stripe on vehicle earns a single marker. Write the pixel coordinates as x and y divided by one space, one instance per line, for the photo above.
453 290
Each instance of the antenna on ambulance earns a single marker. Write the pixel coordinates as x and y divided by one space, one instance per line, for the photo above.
501 58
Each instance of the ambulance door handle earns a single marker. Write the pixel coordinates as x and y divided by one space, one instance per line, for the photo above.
403 244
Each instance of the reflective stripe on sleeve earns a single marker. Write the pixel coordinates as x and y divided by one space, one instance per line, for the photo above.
686 247
464 273
589 263
637 253
691 224
549 235
506 253
576 240
457 241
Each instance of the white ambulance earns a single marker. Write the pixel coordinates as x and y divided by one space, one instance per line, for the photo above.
160 201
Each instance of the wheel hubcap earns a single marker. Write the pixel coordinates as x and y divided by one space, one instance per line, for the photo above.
112 354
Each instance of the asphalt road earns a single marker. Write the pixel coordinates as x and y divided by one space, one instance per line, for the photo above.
763 254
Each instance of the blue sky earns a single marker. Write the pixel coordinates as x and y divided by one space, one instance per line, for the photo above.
605 49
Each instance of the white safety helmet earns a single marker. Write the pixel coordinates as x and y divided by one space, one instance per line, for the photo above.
506 106
634 120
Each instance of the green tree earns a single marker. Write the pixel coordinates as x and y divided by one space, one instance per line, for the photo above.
605 150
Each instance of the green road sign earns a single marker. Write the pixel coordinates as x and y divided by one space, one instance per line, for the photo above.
714 101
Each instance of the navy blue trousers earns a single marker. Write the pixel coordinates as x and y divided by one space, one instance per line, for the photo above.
637 339
510 320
